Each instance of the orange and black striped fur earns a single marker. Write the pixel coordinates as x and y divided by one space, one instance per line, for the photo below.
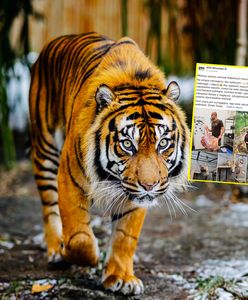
105 129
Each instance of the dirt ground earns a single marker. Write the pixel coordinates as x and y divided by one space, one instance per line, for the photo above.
200 256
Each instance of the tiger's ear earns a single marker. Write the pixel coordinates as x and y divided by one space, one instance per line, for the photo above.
104 96
172 92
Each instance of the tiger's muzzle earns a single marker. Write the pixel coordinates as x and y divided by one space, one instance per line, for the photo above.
145 193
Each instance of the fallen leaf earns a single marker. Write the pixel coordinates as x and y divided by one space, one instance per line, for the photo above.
37 288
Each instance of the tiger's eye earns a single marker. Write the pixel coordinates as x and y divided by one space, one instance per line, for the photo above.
127 144
163 143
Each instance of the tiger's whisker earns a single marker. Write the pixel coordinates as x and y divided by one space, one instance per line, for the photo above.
172 197
182 203
185 185
178 204
166 201
109 208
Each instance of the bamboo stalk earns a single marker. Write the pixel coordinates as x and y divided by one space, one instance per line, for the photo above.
9 155
124 20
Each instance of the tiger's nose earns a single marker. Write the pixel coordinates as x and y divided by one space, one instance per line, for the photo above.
148 186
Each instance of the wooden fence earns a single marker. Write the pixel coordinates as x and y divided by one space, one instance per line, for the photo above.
104 16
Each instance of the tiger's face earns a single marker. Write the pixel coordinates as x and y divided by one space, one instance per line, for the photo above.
141 147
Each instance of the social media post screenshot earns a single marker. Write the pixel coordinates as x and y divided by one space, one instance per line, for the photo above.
219 139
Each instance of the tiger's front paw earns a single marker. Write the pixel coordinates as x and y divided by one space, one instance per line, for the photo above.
127 284
82 249
54 258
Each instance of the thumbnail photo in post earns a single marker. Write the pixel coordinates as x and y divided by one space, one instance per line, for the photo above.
219 140
204 165
241 133
214 130
225 167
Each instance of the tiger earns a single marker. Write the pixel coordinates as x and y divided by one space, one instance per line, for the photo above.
105 130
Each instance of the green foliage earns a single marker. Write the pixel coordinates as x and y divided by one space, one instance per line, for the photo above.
13 289
207 286
213 29
7 138
209 283
154 33
211 26
241 122
9 10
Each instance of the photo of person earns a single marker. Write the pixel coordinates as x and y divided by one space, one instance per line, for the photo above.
214 130
241 133
217 127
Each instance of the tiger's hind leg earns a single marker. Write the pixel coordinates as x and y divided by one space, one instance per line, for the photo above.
45 159
79 243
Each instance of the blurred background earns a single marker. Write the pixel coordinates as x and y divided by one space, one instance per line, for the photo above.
175 34
202 255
